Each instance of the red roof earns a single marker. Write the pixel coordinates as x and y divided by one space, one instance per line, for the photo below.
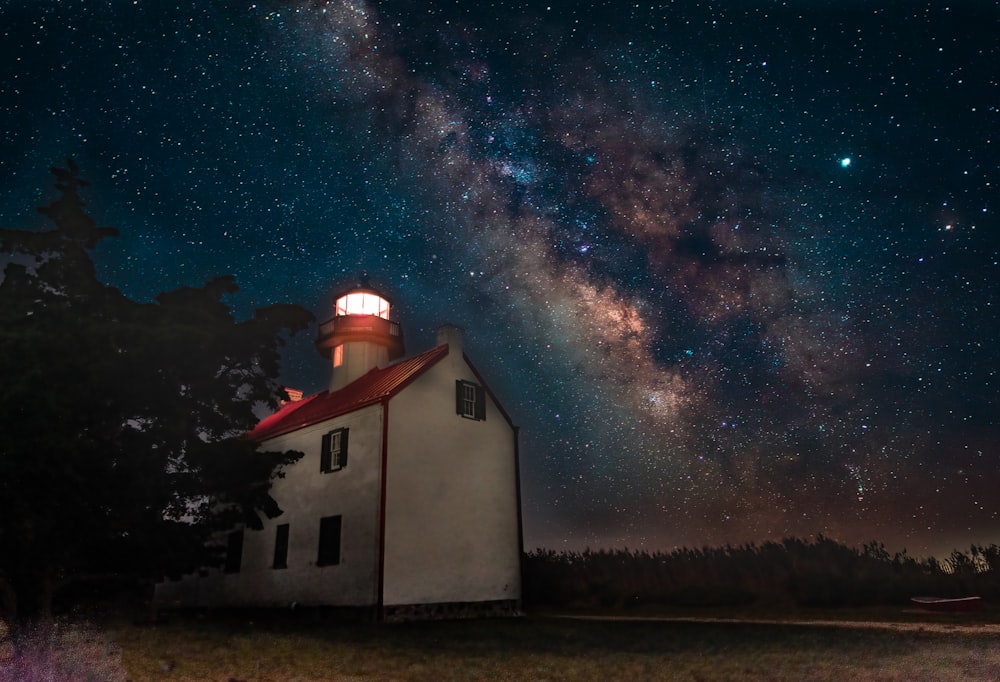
376 385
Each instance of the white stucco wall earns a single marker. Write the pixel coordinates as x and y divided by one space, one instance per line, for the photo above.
306 495
451 509
358 359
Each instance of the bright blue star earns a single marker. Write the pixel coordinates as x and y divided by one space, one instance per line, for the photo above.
845 162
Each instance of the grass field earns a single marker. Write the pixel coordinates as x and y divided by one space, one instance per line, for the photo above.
550 648
558 649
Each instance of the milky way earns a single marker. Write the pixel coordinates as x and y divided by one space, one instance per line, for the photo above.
731 267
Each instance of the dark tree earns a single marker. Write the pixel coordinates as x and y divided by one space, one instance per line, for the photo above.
121 423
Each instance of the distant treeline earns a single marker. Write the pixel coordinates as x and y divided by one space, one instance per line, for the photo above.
791 572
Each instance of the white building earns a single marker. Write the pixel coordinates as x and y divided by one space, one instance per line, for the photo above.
406 500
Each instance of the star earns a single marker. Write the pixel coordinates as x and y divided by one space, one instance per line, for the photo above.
632 221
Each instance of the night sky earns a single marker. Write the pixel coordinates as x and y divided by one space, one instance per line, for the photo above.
732 267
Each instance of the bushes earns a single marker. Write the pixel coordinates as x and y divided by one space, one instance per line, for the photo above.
804 573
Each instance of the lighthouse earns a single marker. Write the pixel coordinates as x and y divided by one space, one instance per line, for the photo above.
360 336
405 502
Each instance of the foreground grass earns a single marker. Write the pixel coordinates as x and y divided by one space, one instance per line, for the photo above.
549 649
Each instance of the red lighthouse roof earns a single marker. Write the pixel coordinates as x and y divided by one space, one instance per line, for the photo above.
378 384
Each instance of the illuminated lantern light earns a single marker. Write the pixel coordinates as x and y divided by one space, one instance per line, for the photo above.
362 303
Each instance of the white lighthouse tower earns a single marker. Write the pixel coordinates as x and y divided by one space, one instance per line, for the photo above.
360 336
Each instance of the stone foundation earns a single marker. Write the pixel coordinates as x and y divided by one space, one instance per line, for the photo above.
500 608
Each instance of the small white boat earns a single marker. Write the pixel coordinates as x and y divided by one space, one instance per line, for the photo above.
948 603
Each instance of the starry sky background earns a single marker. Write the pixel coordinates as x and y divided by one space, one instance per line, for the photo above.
732 267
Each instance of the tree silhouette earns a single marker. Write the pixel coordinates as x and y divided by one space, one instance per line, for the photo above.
121 423
786 574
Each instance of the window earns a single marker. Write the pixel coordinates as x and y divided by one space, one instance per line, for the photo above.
281 546
470 400
333 453
338 355
363 303
329 541
234 551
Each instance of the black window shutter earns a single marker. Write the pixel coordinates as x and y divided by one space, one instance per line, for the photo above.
329 541
480 402
234 551
459 397
281 546
324 455
342 457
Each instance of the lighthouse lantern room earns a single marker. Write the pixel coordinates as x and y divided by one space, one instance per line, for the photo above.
360 336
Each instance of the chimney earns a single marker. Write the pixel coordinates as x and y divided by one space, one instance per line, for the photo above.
451 335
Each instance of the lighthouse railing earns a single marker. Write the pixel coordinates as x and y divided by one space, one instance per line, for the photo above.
354 324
